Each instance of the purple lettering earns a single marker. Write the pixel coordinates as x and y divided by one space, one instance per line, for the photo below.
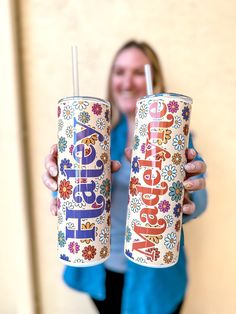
79 215
87 131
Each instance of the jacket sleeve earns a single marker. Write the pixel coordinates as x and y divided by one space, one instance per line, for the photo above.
198 197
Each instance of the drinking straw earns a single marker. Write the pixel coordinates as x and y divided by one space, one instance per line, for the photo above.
148 76
75 71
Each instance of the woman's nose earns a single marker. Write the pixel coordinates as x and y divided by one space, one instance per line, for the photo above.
128 81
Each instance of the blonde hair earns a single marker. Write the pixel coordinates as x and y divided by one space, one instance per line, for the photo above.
157 76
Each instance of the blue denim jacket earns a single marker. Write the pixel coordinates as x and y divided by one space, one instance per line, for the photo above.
146 290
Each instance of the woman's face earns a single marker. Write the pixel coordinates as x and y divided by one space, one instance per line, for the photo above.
128 79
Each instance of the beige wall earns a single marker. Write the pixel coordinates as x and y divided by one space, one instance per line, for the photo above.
195 41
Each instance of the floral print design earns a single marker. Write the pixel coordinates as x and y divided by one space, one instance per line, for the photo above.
169 219
154 239
104 158
133 186
84 117
107 115
128 234
143 111
143 147
65 164
65 189
135 165
136 142
87 226
100 219
186 129
61 239
64 257
135 205
176 191
178 142
177 210
173 106
169 173
155 252
90 140
186 113
158 156
104 235
177 123
81 105
167 136
105 144
100 123
170 240
69 131
62 144
164 206
89 252
73 247
178 225
104 252
168 257
176 159
105 188
68 112
97 109
143 130
94 115
60 124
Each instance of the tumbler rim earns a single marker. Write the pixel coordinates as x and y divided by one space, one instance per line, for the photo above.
182 97
105 102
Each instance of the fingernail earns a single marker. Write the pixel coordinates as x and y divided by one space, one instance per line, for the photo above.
190 166
186 209
193 152
53 171
54 210
188 184
117 162
53 186
52 150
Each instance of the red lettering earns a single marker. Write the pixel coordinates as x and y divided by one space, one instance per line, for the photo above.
142 246
150 196
149 214
155 112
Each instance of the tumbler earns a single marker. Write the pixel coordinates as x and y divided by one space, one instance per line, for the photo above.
84 180
156 192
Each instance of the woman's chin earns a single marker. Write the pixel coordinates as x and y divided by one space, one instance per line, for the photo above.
127 107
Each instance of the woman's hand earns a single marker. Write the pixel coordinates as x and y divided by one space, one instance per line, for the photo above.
50 176
192 168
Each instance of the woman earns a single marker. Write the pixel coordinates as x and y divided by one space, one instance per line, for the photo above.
118 285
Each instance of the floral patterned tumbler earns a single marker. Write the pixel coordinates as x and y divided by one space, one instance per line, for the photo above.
156 191
84 180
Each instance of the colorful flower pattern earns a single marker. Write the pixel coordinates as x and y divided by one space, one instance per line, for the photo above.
169 173
178 142
65 189
65 164
135 165
164 206
84 117
156 190
73 160
89 252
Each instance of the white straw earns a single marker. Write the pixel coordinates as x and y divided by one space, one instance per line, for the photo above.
148 76
75 71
